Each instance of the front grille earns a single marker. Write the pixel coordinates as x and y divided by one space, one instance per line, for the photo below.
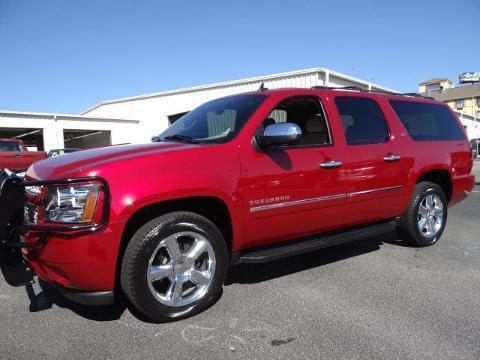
30 213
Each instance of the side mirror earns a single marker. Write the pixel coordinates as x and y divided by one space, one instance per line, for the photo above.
279 135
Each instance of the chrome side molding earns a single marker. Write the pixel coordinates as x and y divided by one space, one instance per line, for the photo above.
322 198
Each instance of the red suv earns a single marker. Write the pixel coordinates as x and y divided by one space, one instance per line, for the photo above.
248 178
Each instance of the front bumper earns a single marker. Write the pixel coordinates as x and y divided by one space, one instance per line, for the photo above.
83 297
80 264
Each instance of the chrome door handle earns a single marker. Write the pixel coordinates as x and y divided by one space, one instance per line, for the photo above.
18 155
331 164
392 158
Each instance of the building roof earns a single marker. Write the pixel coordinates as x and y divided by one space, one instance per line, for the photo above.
456 93
241 81
55 116
433 81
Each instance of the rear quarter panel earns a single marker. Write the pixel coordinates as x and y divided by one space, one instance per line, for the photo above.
424 156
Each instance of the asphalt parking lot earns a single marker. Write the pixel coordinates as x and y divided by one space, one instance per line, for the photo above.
372 299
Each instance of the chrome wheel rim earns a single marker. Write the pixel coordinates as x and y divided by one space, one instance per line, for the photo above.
430 215
181 269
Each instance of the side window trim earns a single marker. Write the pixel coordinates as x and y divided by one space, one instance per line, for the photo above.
382 112
319 102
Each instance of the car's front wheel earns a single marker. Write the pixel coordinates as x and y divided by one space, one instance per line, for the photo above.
174 266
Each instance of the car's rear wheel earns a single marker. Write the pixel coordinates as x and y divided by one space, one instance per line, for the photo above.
424 221
174 266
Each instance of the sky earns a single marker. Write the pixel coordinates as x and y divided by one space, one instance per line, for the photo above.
65 56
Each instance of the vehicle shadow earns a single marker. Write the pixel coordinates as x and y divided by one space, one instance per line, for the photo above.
48 296
256 273
239 274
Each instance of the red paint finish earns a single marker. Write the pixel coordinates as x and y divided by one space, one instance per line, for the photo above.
19 160
245 179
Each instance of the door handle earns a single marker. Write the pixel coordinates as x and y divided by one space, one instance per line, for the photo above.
392 158
330 164
18 155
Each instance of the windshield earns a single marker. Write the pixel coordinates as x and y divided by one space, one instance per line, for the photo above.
9 146
216 121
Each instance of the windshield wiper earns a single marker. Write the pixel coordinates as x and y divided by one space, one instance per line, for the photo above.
184 138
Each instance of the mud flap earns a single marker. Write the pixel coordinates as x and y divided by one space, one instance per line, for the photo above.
12 199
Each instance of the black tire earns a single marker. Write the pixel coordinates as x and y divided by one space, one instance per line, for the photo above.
409 222
144 243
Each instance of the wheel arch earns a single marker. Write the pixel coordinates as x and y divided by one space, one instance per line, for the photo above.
439 176
210 207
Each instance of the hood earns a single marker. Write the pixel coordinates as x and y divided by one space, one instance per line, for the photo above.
87 162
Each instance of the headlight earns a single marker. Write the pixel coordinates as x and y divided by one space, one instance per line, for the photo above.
72 203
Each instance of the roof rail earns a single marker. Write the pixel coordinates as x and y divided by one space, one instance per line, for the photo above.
353 88
417 95
320 87
358 88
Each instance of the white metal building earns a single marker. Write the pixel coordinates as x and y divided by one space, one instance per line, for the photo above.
158 110
57 131
136 119
471 125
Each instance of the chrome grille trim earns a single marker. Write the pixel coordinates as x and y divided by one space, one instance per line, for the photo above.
33 190
30 212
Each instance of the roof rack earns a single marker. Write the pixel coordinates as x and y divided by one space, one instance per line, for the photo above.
418 95
358 88
320 87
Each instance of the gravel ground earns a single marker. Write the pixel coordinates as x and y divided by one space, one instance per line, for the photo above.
372 299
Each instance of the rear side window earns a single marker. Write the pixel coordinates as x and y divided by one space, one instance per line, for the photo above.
363 121
427 122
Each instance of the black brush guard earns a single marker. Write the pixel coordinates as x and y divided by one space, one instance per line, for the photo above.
12 201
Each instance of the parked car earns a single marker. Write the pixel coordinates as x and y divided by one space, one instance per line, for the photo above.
248 178
58 152
15 156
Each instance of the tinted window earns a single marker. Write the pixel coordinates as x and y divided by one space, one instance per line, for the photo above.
307 114
363 121
9 146
427 122
216 121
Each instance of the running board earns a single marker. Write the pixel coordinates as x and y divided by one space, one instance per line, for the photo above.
290 248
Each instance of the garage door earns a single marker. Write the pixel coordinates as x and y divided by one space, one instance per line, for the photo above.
33 138
86 139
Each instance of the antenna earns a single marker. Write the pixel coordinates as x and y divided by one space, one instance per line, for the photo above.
262 87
